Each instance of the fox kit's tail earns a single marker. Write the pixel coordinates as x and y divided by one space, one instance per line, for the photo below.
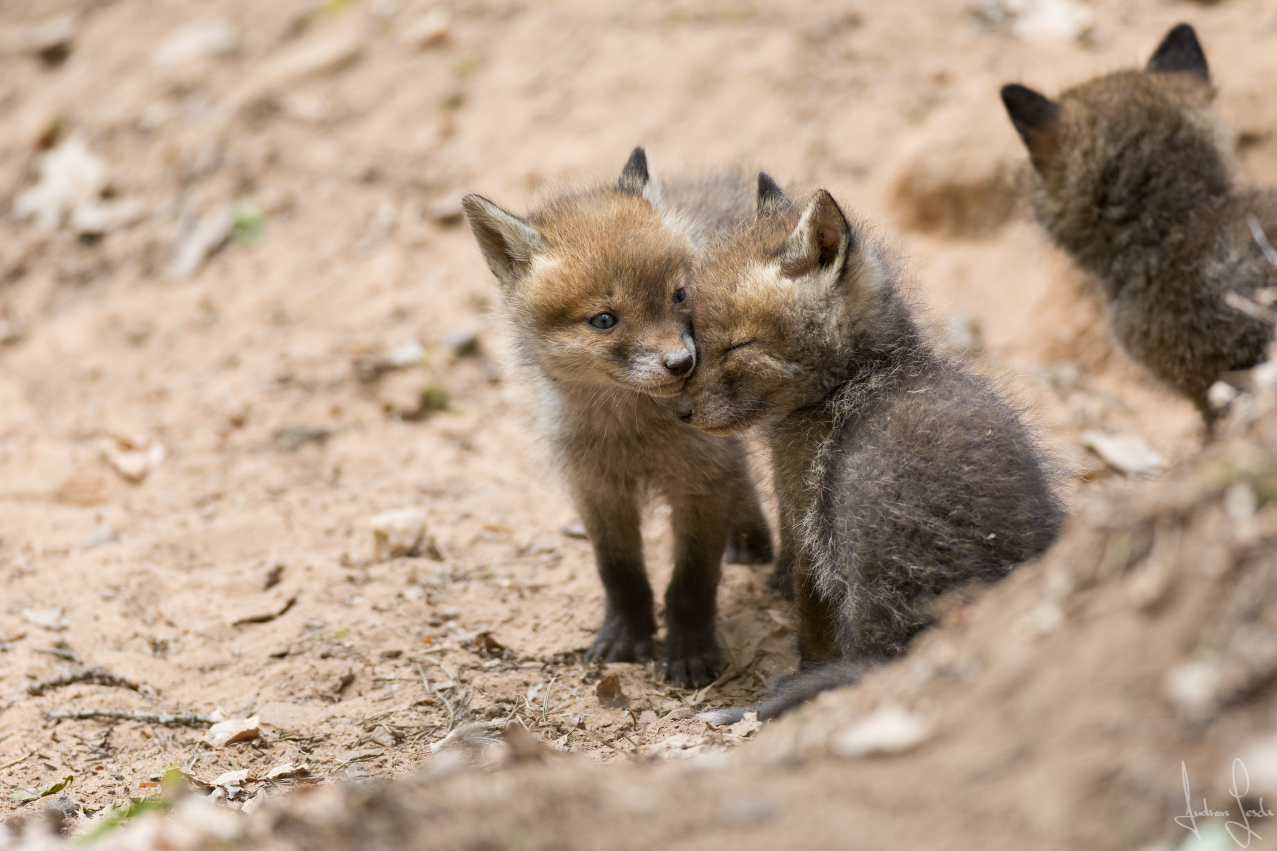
793 690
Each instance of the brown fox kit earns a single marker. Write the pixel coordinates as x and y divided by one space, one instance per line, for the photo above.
1132 180
900 475
594 282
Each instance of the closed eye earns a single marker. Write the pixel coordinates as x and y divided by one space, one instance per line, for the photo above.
736 346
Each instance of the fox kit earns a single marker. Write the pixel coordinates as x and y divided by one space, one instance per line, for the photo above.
899 474
1131 179
595 284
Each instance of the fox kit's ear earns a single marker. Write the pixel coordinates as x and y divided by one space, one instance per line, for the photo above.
636 179
1036 119
770 196
819 243
508 242
1180 51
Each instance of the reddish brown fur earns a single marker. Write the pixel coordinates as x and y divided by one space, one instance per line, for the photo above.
619 251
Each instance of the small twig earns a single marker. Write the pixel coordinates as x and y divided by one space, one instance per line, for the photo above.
61 652
16 761
96 676
1261 239
1253 309
165 719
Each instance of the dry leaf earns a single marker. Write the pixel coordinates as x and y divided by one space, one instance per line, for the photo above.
234 778
46 618
1127 453
609 692
235 730
285 770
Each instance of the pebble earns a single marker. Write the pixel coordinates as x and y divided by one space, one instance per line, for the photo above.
51 40
397 532
446 211
890 730
11 331
103 534
463 342
197 42
70 175
1193 687
430 29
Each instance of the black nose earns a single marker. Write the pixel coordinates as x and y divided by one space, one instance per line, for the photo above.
684 410
680 362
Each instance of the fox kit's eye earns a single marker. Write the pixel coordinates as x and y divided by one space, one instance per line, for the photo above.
680 295
734 346
602 321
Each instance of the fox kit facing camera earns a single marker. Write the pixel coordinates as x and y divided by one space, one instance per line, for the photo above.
594 282
1131 178
899 474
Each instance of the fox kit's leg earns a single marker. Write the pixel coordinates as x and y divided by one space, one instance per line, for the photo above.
692 658
782 578
817 618
611 518
748 541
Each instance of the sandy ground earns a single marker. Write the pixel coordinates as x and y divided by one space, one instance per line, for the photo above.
189 462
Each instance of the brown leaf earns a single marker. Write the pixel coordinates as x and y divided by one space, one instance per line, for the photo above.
609 692
486 645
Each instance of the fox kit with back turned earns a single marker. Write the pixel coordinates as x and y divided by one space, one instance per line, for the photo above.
899 474
1131 178
594 283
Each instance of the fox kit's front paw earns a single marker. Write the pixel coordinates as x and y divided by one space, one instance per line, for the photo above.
621 641
691 662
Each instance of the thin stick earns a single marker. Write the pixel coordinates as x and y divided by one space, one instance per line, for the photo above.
96 676
16 761
165 719
1253 309
1261 239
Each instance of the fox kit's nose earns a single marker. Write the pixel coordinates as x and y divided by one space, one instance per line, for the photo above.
683 409
680 362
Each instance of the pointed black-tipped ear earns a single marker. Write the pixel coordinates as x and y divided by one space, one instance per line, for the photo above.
1180 51
1037 120
1032 114
508 242
634 176
819 242
770 196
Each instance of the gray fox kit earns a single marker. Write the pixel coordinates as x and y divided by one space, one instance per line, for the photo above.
899 474
594 282
1131 178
